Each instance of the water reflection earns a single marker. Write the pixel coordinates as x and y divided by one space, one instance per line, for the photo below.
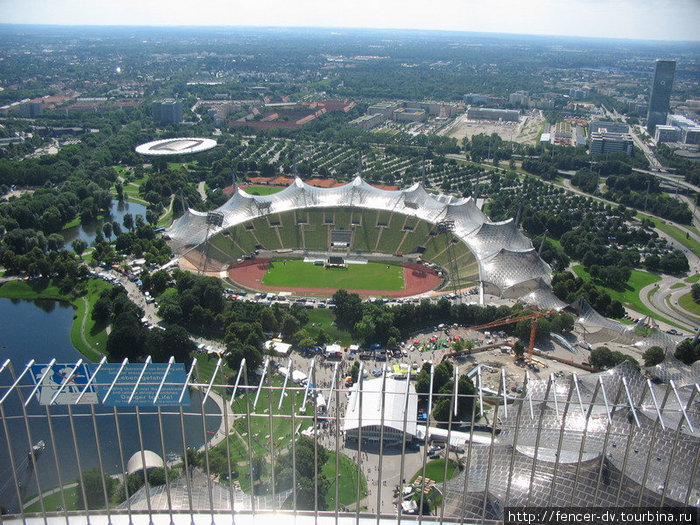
87 231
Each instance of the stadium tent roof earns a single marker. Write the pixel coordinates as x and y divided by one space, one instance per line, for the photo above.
136 462
394 405
506 258
176 146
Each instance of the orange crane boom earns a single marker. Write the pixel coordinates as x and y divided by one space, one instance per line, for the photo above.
533 326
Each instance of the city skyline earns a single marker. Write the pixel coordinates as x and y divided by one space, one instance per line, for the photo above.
654 20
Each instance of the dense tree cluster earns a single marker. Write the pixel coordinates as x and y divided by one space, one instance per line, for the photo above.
312 484
567 287
443 388
603 358
688 352
378 323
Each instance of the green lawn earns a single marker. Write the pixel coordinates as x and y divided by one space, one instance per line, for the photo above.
53 502
687 303
371 276
630 295
674 232
347 480
323 319
693 278
435 470
262 190
677 285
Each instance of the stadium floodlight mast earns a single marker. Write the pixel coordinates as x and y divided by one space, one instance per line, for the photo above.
214 219
447 227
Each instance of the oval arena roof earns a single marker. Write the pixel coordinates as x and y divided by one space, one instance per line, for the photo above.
506 258
176 146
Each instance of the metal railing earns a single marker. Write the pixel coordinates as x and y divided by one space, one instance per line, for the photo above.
263 442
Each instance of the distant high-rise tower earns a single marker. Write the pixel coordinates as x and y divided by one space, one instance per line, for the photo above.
660 94
167 111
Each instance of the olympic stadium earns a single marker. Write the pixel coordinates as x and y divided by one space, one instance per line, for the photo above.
176 146
358 219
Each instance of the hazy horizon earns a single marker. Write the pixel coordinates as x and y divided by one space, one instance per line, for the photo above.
654 20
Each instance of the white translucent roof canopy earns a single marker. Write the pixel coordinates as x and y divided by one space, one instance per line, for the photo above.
176 146
506 258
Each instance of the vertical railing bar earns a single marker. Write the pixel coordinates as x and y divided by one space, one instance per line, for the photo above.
605 399
114 381
227 440
186 461
505 392
561 441
77 461
162 448
138 381
122 463
652 441
55 459
211 381
554 394
162 379
469 456
403 440
481 393
506 499
284 385
608 430
65 381
315 423
676 441
382 408
17 379
656 404
292 411
543 408
693 475
147 484
244 366
12 462
583 441
337 447
680 404
188 380
330 392
630 436
262 378
30 442
238 378
578 395
494 424
425 442
91 379
308 384
100 462
39 383
529 395
629 399
359 443
205 444
271 430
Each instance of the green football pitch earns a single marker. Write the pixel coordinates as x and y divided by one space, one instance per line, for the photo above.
370 276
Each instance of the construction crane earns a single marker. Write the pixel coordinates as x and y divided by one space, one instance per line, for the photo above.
533 317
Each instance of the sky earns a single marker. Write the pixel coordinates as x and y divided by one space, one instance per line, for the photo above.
636 19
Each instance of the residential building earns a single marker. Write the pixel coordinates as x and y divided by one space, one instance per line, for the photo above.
167 111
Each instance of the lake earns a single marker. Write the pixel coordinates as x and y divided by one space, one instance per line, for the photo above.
41 330
87 231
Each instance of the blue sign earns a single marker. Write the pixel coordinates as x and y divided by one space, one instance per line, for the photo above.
61 381
125 391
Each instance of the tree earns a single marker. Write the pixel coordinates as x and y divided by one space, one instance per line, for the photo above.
92 483
128 221
519 348
348 309
653 356
107 229
355 371
79 246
